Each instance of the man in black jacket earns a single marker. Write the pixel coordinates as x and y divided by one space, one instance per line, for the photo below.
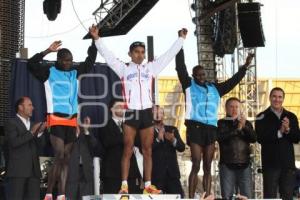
165 172
235 134
111 136
23 170
277 129
80 180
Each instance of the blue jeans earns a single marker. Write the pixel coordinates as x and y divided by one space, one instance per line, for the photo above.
235 181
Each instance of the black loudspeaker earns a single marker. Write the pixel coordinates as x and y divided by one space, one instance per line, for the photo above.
51 8
250 25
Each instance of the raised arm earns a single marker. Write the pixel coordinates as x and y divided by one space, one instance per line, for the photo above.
35 66
87 65
225 87
114 63
161 62
182 72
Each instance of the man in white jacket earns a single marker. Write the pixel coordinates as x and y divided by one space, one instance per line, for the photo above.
137 80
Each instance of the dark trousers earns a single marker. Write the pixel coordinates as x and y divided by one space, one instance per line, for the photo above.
113 185
24 188
75 190
282 179
169 185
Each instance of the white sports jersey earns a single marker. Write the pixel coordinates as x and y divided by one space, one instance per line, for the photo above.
137 78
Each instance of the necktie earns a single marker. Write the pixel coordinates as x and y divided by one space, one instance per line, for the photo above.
120 125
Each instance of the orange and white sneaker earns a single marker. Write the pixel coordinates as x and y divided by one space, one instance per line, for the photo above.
61 197
124 189
48 197
151 190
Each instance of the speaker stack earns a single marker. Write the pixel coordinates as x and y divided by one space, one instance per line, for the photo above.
250 25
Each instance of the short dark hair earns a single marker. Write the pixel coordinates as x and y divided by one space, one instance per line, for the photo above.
63 52
157 107
196 68
277 89
19 102
136 44
113 101
232 99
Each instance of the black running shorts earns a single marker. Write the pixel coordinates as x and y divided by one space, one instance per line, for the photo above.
139 119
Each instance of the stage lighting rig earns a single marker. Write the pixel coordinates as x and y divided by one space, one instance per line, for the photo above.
118 17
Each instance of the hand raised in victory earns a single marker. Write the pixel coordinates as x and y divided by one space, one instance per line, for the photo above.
182 33
55 46
94 31
249 59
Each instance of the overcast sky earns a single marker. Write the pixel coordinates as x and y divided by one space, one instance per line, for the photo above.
279 59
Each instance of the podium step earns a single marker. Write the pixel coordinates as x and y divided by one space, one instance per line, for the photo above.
132 197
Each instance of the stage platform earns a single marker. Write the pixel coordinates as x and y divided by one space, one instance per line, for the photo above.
132 197
139 197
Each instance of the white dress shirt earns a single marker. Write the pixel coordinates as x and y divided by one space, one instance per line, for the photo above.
26 122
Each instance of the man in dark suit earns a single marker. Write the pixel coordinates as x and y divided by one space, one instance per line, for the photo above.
111 136
23 168
165 172
80 181
277 130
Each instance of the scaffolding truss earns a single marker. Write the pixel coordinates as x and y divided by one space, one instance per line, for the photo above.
12 15
117 17
204 32
248 93
113 11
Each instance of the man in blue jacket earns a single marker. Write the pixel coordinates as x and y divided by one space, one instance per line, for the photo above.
201 115
61 87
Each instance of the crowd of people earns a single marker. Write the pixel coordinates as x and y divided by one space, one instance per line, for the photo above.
137 149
